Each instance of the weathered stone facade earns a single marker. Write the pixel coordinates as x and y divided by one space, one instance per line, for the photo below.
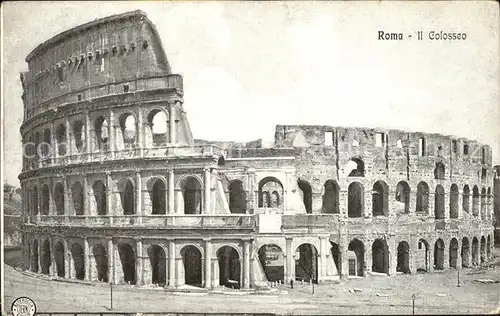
115 189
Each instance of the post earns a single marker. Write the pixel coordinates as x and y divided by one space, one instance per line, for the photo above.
111 295
207 187
413 304
458 277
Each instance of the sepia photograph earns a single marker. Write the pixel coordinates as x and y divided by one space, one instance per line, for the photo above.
250 158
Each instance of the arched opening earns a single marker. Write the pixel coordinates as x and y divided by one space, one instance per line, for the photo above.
439 202
191 258
380 256
306 263
34 256
483 203
454 201
356 258
78 255
356 167
465 198
475 251
237 197
475 201
305 187
78 135
439 254
47 146
158 261
100 197
356 197
402 198
270 187
61 140
157 121
331 198
422 256
127 197
403 264
101 129
158 197
59 258
127 259
45 200
191 192
229 267
483 249
271 258
465 253
380 203
453 253
337 257
78 200
439 171
128 130
59 198
38 141
101 262
488 247
34 201
422 199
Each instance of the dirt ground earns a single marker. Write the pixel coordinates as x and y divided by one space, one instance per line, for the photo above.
435 293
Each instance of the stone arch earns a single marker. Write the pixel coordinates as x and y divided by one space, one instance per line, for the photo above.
158 195
78 198
422 256
331 197
306 267
466 198
61 140
483 203
356 257
306 189
402 197
439 171
475 201
34 256
380 201
483 250
272 260
237 197
59 198
356 198
191 195
158 261
358 167
465 252
454 194
267 187
439 202
59 257
422 206
127 259
101 262
192 262
78 255
99 190
380 256
439 254
128 130
127 196
78 135
475 251
157 131
101 129
453 256
229 266
403 263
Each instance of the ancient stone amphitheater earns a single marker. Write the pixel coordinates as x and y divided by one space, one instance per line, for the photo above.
116 189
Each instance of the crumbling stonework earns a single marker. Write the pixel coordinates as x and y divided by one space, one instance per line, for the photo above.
116 189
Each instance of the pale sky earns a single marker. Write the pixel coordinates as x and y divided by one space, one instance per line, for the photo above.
250 66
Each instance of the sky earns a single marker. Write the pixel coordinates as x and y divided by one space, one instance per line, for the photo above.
250 66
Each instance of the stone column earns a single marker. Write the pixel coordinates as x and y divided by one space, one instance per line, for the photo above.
251 187
68 137
53 144
138 196
111 262
246 264
88 136
111 133
171 194
393 255
368 262
86 259
290 259
171 263
67 261
39 200
323 250
207 261
140 131
138 262
53 268
207 187
172 127
109 198
68 210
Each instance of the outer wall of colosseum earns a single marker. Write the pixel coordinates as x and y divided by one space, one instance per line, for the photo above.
117 190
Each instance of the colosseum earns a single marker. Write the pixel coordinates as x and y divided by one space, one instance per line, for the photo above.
117 190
